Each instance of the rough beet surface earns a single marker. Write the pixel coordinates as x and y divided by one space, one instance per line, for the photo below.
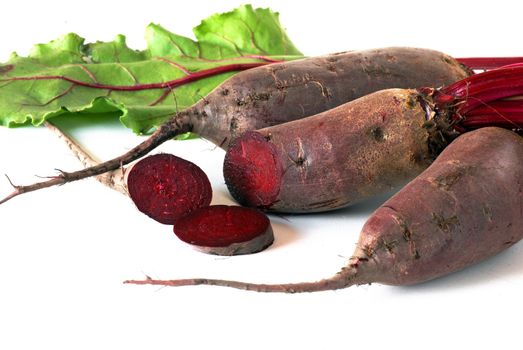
166 187
225 230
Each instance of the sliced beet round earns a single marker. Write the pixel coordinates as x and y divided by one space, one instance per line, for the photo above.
225 230
166 187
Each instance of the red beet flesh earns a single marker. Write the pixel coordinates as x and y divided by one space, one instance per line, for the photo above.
166 187
252 170
225 230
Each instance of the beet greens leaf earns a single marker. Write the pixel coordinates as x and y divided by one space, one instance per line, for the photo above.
143 88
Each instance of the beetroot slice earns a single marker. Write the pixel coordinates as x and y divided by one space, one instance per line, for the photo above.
225 230
166 187
252 170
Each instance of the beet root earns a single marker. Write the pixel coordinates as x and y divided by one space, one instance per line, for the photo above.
463 209
352 152
225 230
166 187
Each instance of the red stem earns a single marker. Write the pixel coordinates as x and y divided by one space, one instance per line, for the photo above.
503 113
483 88
485 99
487 63
193 76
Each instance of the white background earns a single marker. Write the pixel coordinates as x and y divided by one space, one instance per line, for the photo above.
65 251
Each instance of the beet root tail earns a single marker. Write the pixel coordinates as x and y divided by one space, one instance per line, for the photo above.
177 125
345 278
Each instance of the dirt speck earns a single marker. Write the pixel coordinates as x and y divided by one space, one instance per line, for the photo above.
446 181
331 68
233 125
447 60
263 96
487 212
376 133
412 102
445 224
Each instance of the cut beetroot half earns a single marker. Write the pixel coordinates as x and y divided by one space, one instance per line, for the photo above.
252 170
225 230
166 187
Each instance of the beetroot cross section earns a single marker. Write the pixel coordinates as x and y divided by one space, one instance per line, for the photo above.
225 230
166 187
252 170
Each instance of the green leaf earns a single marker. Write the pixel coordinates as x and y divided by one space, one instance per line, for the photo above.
114 51
246 30
64 50
67 77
